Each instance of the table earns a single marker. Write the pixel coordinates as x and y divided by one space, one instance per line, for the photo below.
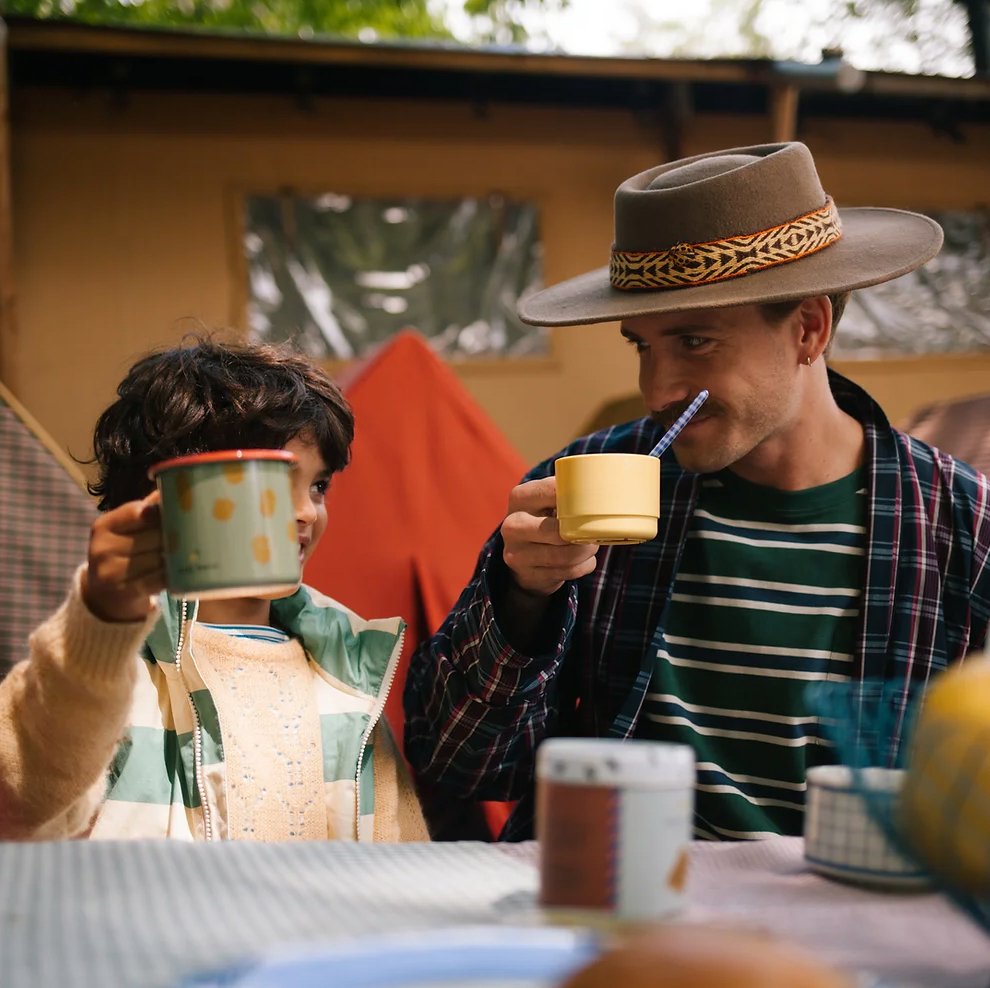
150 913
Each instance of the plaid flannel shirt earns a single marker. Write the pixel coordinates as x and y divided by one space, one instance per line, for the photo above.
476 708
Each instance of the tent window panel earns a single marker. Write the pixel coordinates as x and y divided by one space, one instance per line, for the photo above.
943 307
339 274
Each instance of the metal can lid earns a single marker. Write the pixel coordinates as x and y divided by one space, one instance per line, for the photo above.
616 762
222 456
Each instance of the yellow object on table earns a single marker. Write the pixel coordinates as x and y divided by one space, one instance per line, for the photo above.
945 803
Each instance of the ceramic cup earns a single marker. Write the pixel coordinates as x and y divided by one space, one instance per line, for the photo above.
613 821
842 839
608 498
228 523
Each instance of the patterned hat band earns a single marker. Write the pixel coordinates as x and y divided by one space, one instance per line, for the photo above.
718 260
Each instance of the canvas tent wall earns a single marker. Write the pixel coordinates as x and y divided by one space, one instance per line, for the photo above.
45 514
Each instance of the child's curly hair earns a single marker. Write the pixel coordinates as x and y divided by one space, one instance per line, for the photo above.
207 395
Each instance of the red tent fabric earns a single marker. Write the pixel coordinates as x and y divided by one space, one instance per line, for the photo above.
428 481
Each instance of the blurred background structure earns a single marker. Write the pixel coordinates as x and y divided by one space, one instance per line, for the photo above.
297 183
45 514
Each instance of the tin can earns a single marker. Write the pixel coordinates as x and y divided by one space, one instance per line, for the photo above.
614 822
228 523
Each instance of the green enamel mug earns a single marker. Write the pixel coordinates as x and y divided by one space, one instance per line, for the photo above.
228 523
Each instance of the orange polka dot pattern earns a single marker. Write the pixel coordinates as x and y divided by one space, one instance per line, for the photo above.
261 549
253 551
223 509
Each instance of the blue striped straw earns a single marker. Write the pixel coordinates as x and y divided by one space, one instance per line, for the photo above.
682 420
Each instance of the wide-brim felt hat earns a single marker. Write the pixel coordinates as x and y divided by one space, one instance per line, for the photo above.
734 227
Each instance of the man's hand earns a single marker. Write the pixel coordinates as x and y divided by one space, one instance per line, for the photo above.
539 559
126 565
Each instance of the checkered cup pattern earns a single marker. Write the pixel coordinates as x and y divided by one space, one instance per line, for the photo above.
841 838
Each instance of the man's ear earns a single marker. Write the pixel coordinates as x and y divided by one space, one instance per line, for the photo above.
814 327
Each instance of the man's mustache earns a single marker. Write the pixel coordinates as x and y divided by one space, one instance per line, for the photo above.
666 417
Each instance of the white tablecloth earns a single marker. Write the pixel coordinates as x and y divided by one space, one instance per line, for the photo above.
151 913
909 938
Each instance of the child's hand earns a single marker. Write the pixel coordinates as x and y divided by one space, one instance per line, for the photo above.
126 564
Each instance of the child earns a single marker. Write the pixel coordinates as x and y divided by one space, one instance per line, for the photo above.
139 715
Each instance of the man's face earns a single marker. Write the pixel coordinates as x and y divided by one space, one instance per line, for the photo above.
749 366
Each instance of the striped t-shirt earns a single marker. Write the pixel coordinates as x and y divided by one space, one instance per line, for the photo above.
766 601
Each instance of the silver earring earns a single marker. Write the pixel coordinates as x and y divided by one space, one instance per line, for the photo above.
808 360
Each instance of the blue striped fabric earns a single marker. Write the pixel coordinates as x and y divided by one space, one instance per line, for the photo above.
252 632
476 708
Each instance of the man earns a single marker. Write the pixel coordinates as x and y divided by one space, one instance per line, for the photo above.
802 539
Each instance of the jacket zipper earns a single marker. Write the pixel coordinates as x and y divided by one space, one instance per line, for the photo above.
197 727
375 718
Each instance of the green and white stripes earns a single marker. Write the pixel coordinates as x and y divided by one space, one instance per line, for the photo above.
765 602
174 748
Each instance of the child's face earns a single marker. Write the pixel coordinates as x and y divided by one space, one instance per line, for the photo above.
310 483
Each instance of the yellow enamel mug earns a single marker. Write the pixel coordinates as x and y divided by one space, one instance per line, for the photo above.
608 498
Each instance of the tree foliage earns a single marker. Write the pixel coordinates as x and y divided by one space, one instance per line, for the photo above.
917 36
493 20
504 21
350 18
